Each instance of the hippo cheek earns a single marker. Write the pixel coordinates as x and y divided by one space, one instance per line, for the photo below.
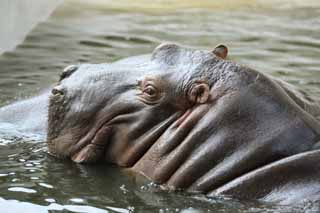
131 141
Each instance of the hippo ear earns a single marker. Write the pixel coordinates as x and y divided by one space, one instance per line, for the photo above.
199 93
221 51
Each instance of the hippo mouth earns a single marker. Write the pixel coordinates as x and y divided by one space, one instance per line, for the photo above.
92 147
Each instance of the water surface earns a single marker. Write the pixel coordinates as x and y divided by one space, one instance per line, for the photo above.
281 38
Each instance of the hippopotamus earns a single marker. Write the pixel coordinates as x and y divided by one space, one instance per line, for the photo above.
190 120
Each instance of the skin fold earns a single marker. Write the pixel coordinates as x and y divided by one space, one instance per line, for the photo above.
190 119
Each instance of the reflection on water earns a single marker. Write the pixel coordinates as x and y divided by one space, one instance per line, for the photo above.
278 37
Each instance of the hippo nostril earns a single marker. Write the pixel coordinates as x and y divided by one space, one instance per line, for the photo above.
57 91
69 70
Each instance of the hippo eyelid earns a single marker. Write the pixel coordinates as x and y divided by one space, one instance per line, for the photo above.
68 71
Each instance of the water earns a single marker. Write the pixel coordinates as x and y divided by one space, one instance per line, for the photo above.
281 38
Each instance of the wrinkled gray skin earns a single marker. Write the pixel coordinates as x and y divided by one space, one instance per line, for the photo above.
189 119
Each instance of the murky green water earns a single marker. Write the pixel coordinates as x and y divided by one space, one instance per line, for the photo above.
279 37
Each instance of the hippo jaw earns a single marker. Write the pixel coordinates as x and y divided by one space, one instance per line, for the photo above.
203 122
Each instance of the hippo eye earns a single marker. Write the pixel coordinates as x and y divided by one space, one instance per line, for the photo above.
150 91
150 94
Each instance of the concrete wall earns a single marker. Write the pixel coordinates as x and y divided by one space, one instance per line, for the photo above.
19 17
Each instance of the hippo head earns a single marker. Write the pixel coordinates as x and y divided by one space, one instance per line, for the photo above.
184 117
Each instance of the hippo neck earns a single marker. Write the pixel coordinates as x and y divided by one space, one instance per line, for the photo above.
217 143
175 142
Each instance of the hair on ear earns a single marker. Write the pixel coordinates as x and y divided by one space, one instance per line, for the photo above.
199 93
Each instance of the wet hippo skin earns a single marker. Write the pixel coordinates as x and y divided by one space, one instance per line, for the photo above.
190 119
